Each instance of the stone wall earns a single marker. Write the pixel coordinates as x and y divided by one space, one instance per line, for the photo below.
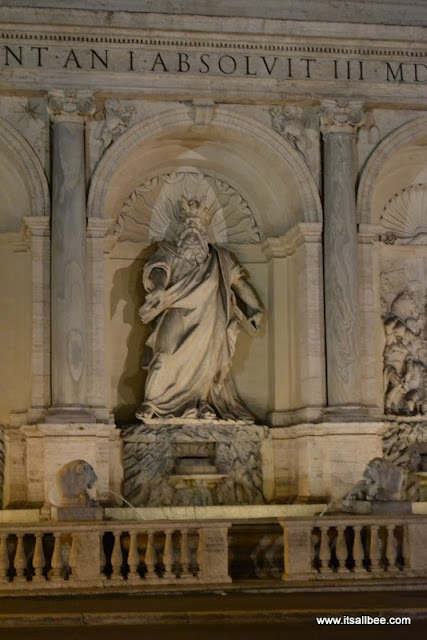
368 11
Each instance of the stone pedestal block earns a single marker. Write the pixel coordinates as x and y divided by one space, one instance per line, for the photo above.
71 514
377 507
297 550
199 464
36 452
417 548
87 549
213 554
323 461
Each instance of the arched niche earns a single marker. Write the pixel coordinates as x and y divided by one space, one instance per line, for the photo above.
263 167
23 185
271 178
398 162
24 194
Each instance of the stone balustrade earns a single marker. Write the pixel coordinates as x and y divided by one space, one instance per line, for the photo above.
102 554
354 547
120 554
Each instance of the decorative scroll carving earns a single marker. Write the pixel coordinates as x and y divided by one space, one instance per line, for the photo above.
404 219
339 116
295 124
29 117
117 119
405 355
71 103
151 213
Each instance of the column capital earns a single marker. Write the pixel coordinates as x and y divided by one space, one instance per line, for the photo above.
337 116
70 104
36 225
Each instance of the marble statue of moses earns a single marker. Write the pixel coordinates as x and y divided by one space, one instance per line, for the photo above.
192 289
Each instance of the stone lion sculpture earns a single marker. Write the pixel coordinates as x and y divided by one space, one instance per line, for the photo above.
384 480
72 482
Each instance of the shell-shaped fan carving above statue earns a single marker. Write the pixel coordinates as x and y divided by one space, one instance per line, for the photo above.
152 211
404 219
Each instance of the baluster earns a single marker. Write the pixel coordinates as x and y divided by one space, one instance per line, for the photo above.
117 557
168 555
405 548
324 550
184 556
391 549
4 558
20 561
38 558
56 561
150 557
102 558
199 554
358 550
73 557
133 557
341 549
374 549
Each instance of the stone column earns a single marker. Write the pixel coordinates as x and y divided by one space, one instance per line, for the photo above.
68 257
341 275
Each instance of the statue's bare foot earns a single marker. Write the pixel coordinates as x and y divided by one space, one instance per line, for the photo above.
144 412
206 412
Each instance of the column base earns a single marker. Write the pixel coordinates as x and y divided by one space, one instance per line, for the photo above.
351 413
69 415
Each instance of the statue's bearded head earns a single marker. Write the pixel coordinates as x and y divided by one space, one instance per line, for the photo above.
192 238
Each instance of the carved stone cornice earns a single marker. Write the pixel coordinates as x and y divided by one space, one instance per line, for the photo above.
286 245
70 105
36 225
99 227
337 116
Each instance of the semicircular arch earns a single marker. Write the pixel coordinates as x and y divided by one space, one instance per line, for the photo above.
394 142
261 165
24 186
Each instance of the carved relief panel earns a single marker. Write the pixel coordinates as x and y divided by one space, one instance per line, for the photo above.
151 211
403 285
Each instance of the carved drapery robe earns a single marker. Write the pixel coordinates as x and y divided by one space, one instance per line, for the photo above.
189 352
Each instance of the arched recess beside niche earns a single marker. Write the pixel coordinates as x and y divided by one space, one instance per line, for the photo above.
392 207
24 196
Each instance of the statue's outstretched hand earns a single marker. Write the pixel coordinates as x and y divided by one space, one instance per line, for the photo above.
155 298
255 318
153 305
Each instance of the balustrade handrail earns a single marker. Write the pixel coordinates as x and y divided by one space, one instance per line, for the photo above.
350 518
68 526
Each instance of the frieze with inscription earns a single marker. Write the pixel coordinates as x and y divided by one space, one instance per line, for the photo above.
276 62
